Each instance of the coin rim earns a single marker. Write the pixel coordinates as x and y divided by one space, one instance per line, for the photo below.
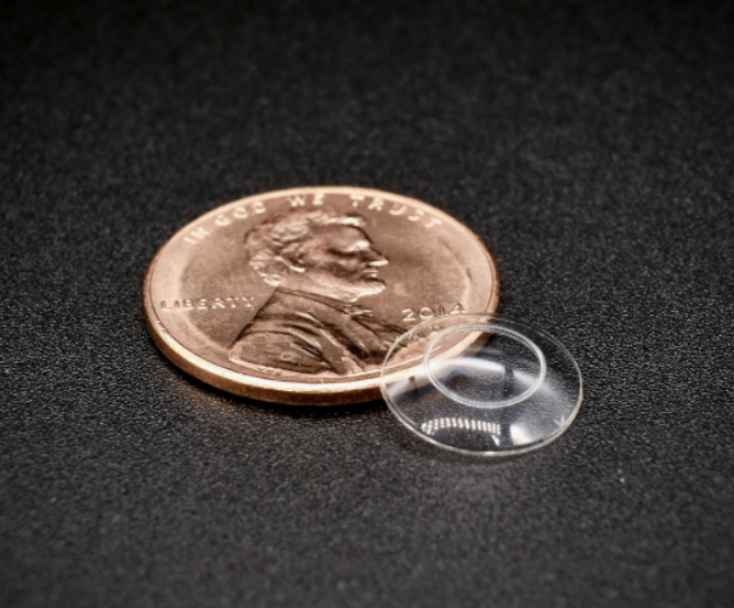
281 391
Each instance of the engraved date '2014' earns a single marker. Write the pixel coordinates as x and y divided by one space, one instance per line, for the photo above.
413 315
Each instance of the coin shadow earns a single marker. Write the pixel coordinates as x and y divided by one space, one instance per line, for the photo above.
313 411
202 397
195 392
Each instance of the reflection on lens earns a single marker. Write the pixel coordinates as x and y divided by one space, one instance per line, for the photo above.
432 426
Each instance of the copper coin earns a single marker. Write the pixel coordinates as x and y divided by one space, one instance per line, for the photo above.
295 296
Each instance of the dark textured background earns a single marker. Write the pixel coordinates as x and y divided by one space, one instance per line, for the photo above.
589 144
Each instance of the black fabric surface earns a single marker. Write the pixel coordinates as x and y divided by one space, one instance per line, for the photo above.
589 145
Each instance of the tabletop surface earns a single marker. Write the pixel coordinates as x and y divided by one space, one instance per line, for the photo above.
589 145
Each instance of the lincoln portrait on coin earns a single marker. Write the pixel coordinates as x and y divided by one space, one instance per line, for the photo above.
320 263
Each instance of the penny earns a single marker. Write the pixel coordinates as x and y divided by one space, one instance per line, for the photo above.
295 296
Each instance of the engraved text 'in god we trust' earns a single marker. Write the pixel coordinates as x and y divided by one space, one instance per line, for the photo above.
358 201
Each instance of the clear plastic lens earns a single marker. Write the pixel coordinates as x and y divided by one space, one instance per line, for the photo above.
481 384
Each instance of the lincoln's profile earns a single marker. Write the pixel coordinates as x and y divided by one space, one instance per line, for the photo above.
320 262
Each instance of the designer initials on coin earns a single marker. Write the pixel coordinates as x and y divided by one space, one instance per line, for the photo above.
295 296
